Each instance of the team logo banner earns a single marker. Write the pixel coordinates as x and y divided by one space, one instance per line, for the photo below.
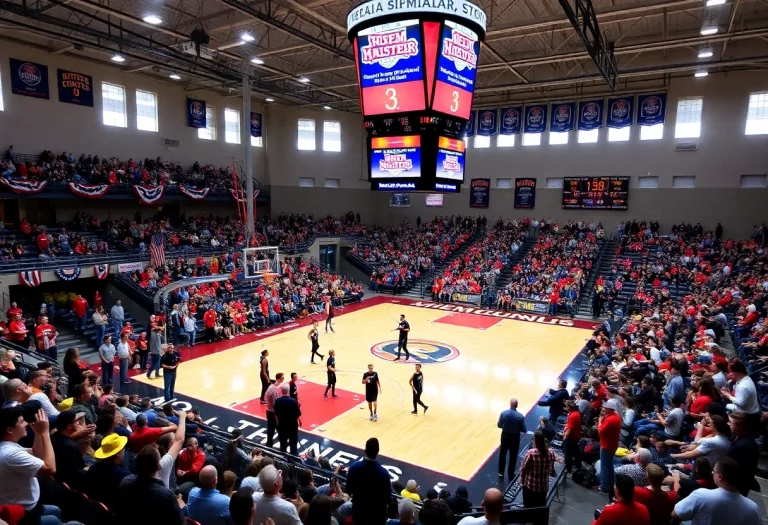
525 193
469 127
536 118
486 122
562 117
511 120
149 194
620 112
196 113
651 109
29 79
30 278
101 271
479 193
590 114
67 274
193 193
255 124
532 305
24 187
75 88
88 191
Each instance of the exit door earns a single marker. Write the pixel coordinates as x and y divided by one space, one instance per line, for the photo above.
328 256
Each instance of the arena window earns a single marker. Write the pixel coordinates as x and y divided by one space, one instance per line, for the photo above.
257 142
482 141
231 126
146 111
688 122
757 114
306 182
685 181
554 183
209 131
589 136
332 183
655 132
531 139
505 141
306 140
113 105
619 134
504 183
331 135
556 139
648 182
752 181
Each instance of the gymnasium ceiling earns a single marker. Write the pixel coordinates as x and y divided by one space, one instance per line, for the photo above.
531 52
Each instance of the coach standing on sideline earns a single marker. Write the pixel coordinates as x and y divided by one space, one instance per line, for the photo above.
512 424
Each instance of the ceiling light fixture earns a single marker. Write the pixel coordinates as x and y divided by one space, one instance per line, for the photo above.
269 99
327 107
175 77
706 52
711 3
707 30
257 61
247 37
304 80
118 58
153 19
701 73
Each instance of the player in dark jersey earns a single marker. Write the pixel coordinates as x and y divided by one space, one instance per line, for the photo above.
331 366
402 342
372 391
314 337
329 315
294 392
264 374
417 385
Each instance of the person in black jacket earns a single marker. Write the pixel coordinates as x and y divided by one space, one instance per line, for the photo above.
70 464
459 502
288 416
556 400
158 505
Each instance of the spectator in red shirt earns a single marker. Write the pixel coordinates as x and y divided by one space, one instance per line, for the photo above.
189 464
601 393
17 330
143 435
572 435
13 311
46 338
80 307
42 241
609 429
209 321
659 503
624 511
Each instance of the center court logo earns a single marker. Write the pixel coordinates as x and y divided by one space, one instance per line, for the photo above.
422 351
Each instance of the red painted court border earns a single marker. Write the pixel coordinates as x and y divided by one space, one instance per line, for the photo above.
479 322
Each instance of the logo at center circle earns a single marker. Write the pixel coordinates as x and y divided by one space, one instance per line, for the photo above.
422 351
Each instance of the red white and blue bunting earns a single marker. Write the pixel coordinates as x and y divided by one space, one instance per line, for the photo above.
67 274
149 195
89 191
194 193
101 271
24 187
30 278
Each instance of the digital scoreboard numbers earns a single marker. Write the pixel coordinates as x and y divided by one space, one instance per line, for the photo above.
396 157
390 68
456 70
596 193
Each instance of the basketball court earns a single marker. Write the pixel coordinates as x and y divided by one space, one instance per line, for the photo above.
473 362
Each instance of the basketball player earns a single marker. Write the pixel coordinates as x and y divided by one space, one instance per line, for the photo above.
417 385
314 337
372 391
264 374
331 366
402 342
329 315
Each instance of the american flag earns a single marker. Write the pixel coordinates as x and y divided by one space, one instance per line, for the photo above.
157 250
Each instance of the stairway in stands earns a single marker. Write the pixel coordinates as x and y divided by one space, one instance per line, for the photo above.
506 274
601 267
65 325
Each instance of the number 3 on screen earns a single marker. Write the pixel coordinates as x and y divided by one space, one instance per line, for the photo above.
455 102
392 94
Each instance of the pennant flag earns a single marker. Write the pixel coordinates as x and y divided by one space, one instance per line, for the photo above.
590 114
24 187
562 117
67 274
255 124
195 113
510 120
620 112
30 278
486 122
101 271
241 198
157 250
193 193
469 127
651 109
89 191
149 194
536 118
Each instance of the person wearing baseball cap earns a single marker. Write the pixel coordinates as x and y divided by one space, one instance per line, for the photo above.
104 476
609 430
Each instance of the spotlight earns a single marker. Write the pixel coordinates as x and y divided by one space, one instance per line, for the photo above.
304 80
701 73
269 99
257 61
707 30
711 3
327 107
118 58
247 37
705 52
153 19
175 77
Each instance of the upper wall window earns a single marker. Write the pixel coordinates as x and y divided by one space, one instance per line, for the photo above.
505 141
555 183
231 126
146 110
619 134
482 141
257 142
306 140
531 139
113 105
684 181
588 136
556 138
757 114
688 123
209 131
655 132
331 136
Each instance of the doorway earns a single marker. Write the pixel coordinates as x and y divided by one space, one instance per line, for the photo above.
328 256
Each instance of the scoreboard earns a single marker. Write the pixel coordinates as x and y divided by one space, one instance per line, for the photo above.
416 67
595 193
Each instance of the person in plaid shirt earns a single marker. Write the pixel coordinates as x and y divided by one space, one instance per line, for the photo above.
535 470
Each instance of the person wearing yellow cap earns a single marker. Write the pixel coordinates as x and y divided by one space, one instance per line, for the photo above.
104 477
66 404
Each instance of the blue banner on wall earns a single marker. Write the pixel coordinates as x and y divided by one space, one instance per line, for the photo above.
536 118
29 79
562 117
651 109
511 120
590 114
486 122
75 88
525 193
196 113
469 127
256 122
479 193
620 112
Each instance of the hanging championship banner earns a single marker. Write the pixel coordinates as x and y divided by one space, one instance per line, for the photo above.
479 193
29 79
30 278
149 194
590 114
562 117
196 113
193 193
525 193
486 122
620 112
535 118
101 271
510 120
24 187
67 274
651 109
469 127
74 88
255 124
88 191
